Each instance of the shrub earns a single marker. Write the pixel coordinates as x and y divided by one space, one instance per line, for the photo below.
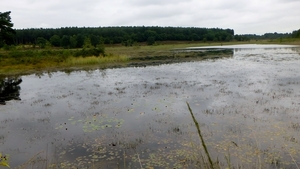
90 52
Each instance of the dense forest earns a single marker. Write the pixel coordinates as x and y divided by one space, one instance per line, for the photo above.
74 37
296 34
275 35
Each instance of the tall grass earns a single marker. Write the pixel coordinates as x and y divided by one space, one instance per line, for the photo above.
93 60
19 61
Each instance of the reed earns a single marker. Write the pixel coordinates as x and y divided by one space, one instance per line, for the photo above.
200 136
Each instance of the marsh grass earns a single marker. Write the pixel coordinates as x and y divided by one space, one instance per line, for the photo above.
93 60
22 61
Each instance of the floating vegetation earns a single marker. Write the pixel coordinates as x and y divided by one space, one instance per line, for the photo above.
93 123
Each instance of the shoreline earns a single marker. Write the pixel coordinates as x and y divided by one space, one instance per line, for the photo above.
117 57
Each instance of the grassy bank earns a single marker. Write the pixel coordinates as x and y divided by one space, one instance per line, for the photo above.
23 60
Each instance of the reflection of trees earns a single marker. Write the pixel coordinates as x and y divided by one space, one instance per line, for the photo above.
9 89
297 50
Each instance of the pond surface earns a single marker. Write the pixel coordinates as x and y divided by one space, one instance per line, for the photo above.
247 105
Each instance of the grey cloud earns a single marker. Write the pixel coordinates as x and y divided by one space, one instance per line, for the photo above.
243 16
154 2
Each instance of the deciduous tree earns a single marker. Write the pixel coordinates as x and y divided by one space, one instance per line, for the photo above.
41 42
55 40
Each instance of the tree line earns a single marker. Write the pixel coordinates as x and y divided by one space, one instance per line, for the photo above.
75 37
296 34
275 35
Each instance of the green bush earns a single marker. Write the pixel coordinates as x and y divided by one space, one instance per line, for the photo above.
90 52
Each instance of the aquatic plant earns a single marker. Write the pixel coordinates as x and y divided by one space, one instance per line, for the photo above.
200 136
4 160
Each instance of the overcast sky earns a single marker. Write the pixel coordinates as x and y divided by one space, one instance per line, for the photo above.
244 16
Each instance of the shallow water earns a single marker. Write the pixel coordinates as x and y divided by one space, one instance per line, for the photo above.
247 106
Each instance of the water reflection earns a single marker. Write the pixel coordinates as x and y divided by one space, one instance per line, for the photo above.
296 50
10 89
123 118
